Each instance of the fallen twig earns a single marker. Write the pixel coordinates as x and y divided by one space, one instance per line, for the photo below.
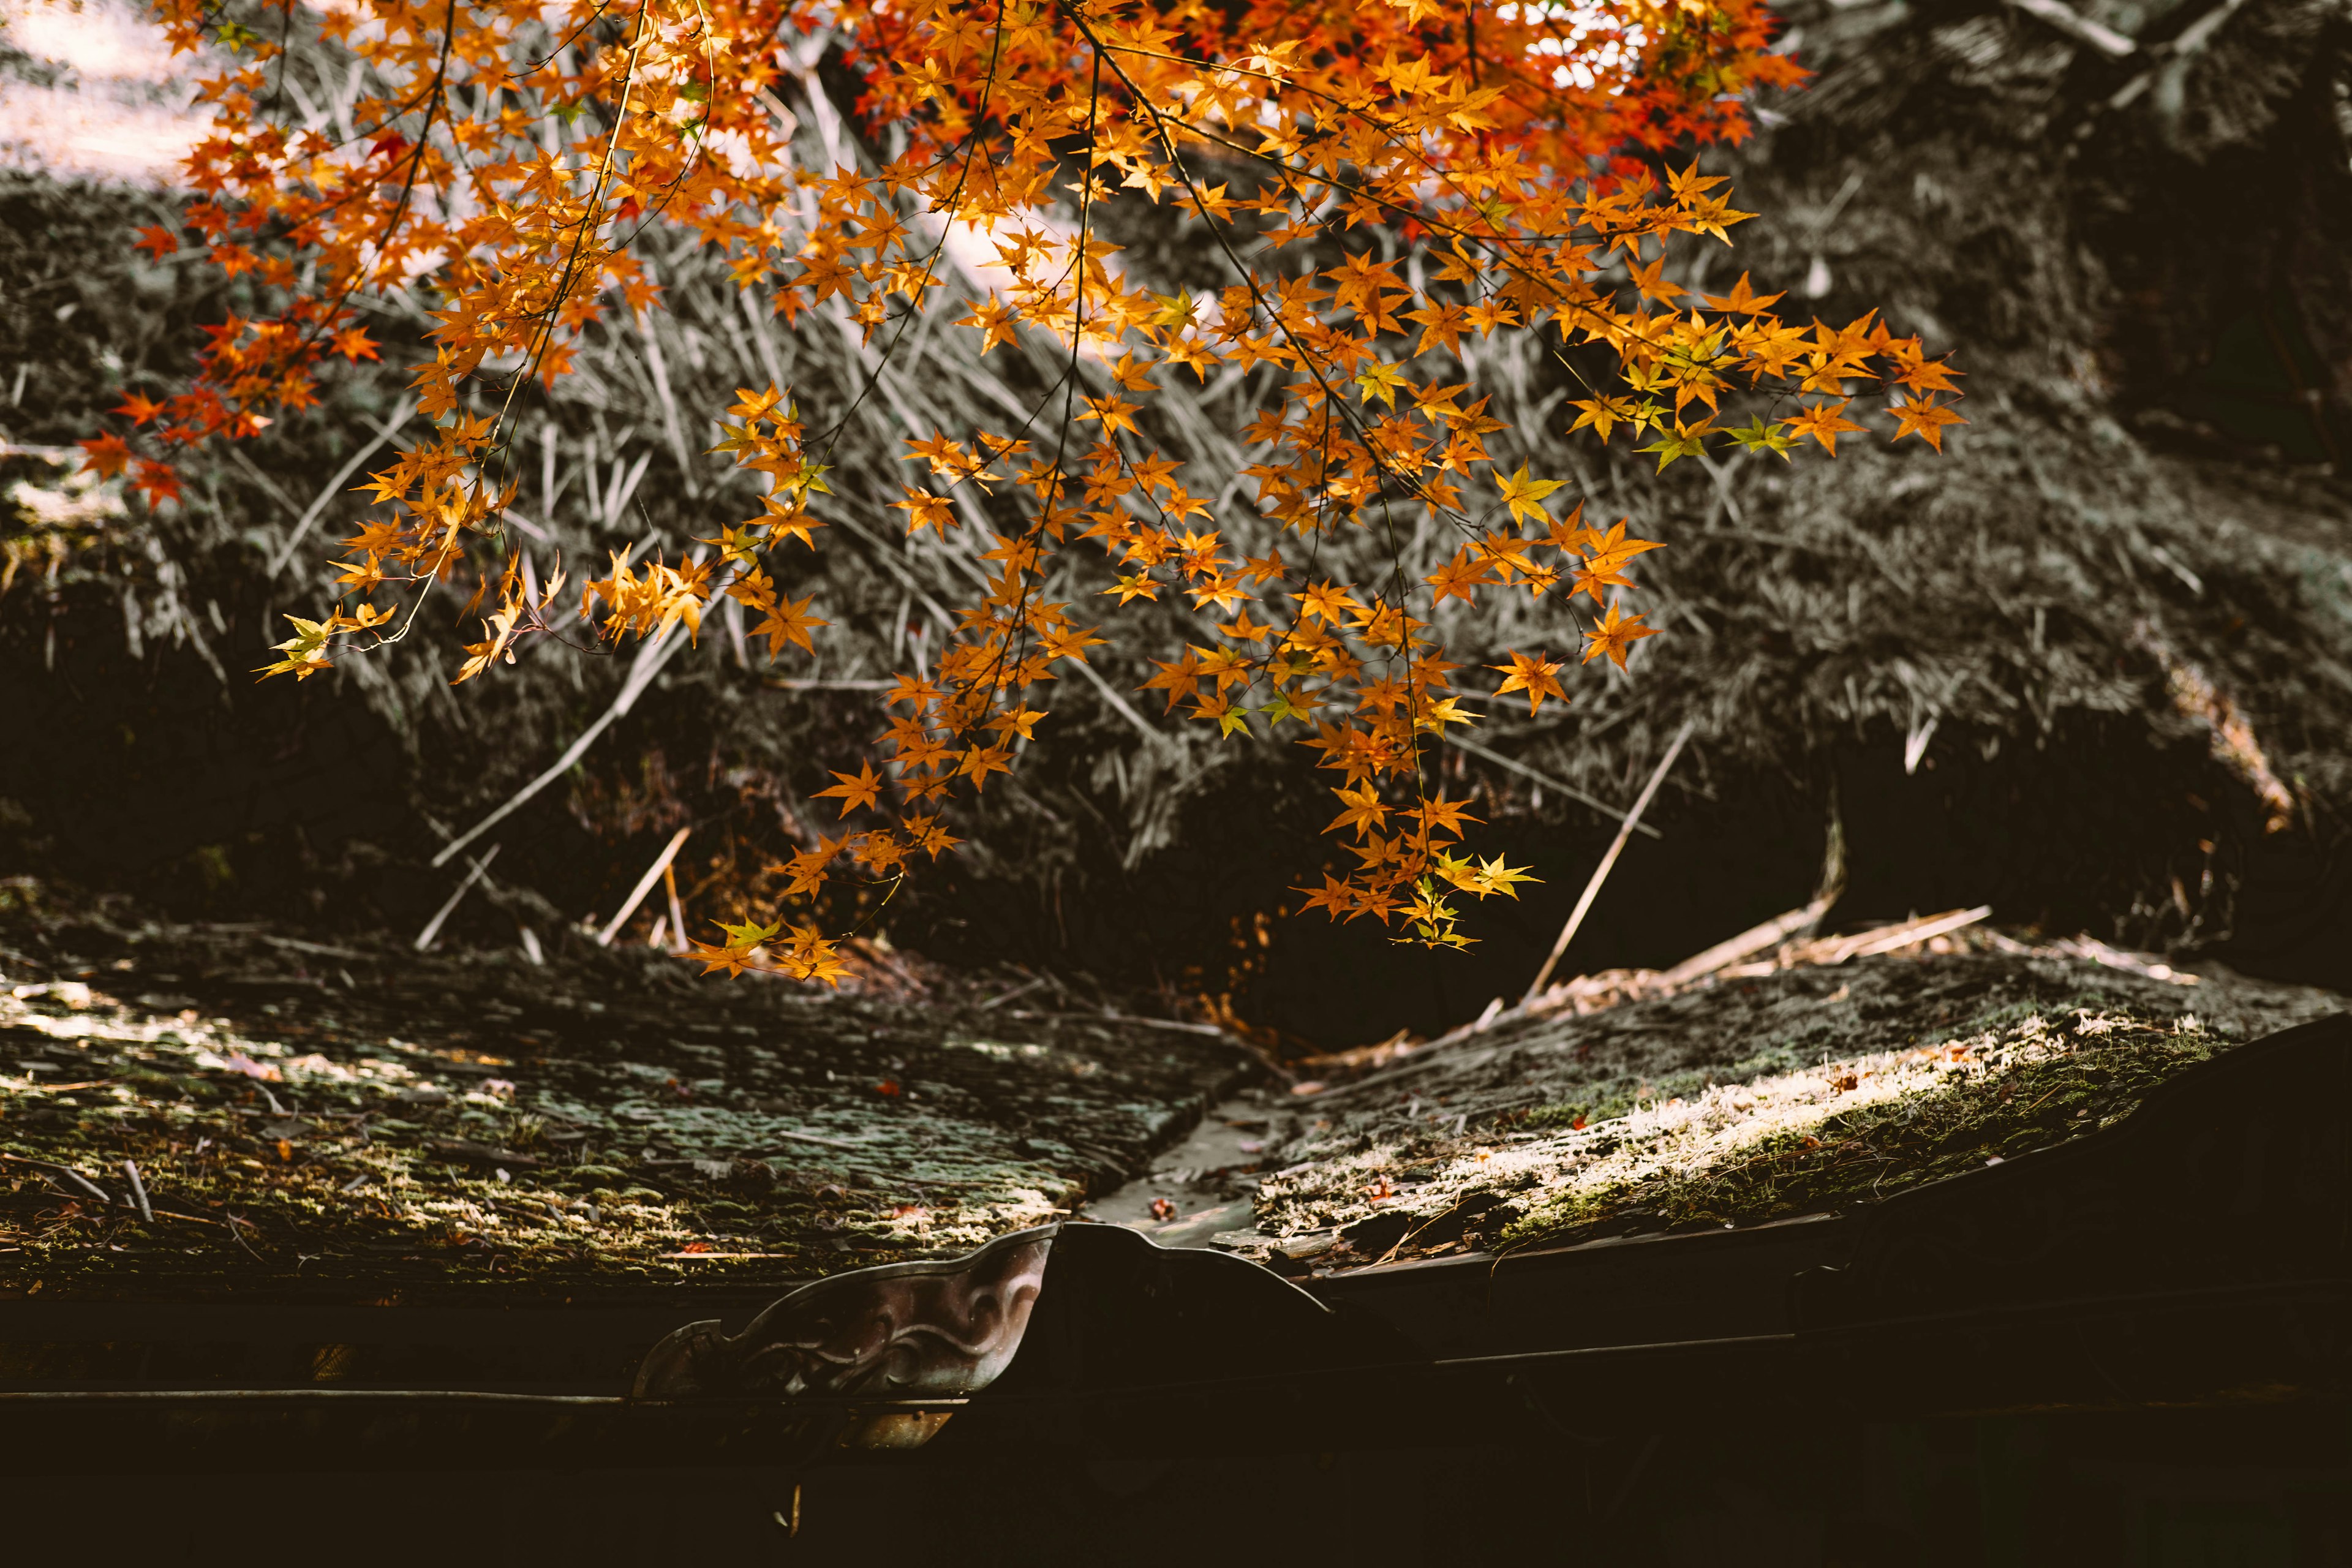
678 938
644 885
139 1190
2063 18
813 1138
482 1154
334 487
1754 940
1004 996
1601 875
1515 765
83 1181
433 927
237 1225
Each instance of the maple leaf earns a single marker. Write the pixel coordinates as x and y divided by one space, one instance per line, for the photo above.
1459 578
1335 898
926 834
1651 285
1741 301
924 511
1328 601
1920 376
304 657
857 789
1285 704
355 345
1381 382
1134 585
1363 810
1443 815
788 621
1373 116
1824 421
1679 442
1533 674
1760 437
979 761
1018 721
1493 877
1613 634
1524 495
1924 418
107 454
155 481
1602 413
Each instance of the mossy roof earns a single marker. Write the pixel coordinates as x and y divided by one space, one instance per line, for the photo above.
1807 1091
365 1122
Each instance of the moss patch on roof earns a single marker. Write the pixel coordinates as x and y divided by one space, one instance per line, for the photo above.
366 1119
1807 1091
1852 1131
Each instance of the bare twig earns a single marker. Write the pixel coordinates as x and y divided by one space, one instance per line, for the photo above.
677 913
1004 996
2065 18
1548 781
334 487
644 885
433 927
139 1190
237 1225
1754 940
813 1138
1910 933
68 1170
1601 875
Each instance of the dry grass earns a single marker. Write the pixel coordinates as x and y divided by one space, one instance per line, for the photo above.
1969 611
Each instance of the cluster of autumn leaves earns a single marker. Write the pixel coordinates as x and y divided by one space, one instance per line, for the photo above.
1385 186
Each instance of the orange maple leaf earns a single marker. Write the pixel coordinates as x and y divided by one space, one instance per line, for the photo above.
1533 674
1615 633
857 789
1924 418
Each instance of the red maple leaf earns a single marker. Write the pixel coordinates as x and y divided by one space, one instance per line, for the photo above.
156 482
107 453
